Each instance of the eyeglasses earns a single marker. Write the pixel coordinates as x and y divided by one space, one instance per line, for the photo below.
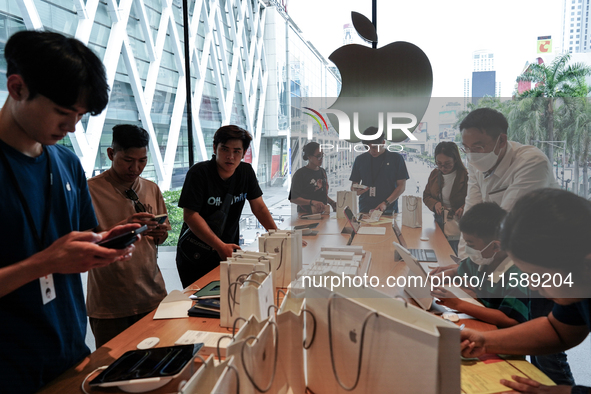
474 149
477 148
444 166
319 157
139 207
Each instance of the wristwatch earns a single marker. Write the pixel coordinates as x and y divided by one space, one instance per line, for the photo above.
579 390
386 202
311 202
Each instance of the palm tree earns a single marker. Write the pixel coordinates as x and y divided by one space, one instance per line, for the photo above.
575 128
554 81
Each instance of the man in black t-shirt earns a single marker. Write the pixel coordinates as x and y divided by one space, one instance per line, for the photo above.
203 194
383 173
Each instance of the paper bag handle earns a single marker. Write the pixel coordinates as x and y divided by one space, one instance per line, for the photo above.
274 364
282 292
235 284
403 299
313 330
411 203
280 254
233 368
232 297
360 358
269 310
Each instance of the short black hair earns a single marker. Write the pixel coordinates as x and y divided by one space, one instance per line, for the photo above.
450 149
309 149
372 130
483 220
487 120
60 68
549 228
127 136
232 132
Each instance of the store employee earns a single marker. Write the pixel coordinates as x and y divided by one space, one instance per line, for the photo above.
383 173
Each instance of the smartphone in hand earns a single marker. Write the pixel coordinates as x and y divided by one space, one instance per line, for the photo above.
123 240
160 218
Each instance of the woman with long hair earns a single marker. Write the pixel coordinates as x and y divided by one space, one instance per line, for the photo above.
447 186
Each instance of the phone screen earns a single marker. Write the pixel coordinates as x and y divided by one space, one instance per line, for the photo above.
160 218
123 240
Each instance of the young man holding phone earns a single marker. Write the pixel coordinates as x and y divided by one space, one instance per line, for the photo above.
51 81
121 294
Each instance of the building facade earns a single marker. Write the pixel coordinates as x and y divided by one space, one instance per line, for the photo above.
233 78
576 37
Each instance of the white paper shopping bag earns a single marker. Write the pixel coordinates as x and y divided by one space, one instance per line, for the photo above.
412 211
291 327
287 245
346 198
256 357
207 379
232 271
369 343
256 295
261 257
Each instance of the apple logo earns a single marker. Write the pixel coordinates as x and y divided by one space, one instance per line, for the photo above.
353 336
394 78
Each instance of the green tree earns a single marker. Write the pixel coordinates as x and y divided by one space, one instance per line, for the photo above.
553 82
575 128
175 216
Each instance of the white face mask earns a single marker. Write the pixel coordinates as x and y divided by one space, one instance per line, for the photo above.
483 161
476 255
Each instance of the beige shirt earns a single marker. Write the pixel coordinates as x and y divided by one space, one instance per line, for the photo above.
125 288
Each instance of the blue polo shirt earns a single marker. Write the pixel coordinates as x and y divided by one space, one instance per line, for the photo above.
383 173
38 342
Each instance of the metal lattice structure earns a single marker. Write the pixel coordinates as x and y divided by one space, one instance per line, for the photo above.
226 45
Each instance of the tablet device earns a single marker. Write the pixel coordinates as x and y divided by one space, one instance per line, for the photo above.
211 290
306 226
122 241
144 370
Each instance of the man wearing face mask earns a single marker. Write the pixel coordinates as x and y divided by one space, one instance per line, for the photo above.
506 302
499 170
506 305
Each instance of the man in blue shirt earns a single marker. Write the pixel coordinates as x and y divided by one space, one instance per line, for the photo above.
547 235
52 81
382 173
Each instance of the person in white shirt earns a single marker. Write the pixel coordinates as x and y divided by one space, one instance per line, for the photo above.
499 170
503 171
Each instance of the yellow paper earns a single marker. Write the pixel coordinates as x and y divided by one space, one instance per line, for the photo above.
481 378
532 372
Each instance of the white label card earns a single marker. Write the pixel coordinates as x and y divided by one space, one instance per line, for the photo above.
47 288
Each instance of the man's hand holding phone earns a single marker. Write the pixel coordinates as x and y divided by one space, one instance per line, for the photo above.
123 240
80 252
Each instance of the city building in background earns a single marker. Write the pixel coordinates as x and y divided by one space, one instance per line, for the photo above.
238 51
576 36
483 76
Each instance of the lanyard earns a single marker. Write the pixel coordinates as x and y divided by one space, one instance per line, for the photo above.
39 240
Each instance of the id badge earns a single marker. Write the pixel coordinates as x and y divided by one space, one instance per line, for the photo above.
47 289
372 191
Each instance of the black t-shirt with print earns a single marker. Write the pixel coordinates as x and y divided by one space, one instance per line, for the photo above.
204 192
311 184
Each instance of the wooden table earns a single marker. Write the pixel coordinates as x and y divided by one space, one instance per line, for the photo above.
170 330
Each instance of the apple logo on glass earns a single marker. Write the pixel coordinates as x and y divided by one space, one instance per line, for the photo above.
353 336
396 79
